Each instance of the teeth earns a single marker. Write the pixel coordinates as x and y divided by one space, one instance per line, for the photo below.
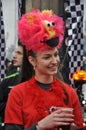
52 66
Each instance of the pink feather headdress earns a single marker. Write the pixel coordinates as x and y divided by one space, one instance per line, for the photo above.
41 30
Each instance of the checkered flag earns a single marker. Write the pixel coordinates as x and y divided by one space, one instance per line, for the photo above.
2 45
74 23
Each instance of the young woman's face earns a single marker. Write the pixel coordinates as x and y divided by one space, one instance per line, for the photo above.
18 56
47 62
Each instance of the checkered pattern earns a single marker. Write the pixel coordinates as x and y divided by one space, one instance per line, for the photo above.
2 45
74 23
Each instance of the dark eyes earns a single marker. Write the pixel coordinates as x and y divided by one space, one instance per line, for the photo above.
50 24
49 56
56 54
19 53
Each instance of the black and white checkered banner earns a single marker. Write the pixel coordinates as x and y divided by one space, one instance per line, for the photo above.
74 24
2 45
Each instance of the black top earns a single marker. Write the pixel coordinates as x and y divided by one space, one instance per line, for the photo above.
5 87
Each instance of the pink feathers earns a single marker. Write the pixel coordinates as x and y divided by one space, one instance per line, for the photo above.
36 27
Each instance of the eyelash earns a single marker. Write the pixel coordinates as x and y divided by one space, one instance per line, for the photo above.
47 57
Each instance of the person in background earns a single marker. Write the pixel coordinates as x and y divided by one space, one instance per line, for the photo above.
10 68
42 102
7 63
10 80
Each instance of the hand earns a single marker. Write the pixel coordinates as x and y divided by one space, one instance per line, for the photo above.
60 117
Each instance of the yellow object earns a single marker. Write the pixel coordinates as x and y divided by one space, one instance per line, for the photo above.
80 75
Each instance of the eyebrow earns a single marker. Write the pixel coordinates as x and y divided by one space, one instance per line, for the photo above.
19 52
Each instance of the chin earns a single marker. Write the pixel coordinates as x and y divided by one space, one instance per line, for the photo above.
53 73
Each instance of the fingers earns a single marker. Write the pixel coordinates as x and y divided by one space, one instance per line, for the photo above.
57 118
62 113
63 117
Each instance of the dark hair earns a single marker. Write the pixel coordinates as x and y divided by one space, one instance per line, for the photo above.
27 70
19 43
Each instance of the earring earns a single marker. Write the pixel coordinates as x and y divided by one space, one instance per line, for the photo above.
34 67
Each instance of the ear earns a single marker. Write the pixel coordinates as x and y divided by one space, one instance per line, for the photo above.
32 60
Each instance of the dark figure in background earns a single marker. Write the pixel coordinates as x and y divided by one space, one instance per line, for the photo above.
10 80
42 101
8 63
10 68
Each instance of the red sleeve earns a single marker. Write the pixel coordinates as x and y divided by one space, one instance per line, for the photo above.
13 112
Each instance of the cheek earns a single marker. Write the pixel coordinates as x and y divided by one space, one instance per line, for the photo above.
42 64
58 59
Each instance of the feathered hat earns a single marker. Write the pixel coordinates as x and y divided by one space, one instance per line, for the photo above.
41 30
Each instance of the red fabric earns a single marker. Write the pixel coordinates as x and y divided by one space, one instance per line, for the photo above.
28 103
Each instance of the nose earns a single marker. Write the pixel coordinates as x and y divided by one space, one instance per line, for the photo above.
14 56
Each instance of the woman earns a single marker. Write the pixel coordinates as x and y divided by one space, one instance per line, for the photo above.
42 102
10 80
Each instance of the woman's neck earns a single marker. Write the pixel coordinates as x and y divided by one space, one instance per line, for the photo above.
44 79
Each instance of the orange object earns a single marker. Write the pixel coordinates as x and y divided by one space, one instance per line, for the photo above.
79 75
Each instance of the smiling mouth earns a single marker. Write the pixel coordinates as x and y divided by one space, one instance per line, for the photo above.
53 68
